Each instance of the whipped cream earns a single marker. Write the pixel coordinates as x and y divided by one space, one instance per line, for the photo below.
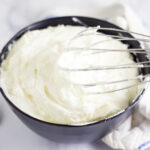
32 78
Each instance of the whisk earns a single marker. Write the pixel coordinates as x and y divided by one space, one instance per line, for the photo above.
119 35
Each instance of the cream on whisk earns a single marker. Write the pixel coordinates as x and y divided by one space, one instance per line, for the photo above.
32 79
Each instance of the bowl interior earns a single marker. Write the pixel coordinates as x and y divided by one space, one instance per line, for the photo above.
78 21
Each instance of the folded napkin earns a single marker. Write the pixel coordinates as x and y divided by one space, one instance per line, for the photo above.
134 133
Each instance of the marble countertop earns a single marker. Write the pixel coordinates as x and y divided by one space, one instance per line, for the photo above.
14 15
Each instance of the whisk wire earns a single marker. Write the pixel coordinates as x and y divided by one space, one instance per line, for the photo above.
119 35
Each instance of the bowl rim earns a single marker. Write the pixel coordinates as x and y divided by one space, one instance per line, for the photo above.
30 27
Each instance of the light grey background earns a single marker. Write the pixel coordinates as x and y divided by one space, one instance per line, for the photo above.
15 14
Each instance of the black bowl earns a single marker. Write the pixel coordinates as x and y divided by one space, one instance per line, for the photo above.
73 133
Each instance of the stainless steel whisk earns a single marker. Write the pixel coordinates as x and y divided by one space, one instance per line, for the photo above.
114 34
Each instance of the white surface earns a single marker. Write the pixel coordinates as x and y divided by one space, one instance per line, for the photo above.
13 134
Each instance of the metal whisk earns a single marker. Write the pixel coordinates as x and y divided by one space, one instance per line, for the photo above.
143 65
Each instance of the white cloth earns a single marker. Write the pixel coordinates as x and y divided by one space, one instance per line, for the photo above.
134 133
